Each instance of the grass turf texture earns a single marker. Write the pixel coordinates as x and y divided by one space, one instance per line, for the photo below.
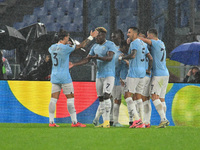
41 137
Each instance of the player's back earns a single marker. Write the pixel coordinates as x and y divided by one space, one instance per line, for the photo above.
137 65
158 52
60 63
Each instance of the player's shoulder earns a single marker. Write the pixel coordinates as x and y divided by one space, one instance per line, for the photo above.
109 43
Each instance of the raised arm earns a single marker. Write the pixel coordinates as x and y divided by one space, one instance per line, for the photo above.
148 41
88 40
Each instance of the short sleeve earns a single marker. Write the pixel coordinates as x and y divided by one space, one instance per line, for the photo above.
134 45
70 48
112 47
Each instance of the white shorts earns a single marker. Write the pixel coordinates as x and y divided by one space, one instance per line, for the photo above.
67 88
135 85
147 84
104 85
117 92
159 85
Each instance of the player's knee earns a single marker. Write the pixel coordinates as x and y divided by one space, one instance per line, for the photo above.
106 96
117 101
100 98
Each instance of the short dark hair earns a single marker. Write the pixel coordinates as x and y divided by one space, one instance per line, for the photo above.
195 68
119 31
135 29
62 34
153 31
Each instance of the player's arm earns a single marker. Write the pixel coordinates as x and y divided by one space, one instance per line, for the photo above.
109 56
88 40
150 58
148 41
130 56
82 62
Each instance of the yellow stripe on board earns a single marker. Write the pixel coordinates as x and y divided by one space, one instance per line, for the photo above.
34 95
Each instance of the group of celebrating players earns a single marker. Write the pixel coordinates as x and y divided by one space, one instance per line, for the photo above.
135 68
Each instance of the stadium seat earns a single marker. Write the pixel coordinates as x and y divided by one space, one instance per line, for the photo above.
50 4
39 11
18 25
47 19
29 19
57 12
53 27
64 20
78 20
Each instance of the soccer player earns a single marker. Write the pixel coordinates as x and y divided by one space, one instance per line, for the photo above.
146 98
117 37
103 51
121 70
160 75
60 76
136 73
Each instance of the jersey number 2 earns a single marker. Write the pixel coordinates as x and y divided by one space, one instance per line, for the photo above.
55 54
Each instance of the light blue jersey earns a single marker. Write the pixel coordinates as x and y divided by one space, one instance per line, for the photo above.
124 70
158 53
137 68
104 68
60 63
118 67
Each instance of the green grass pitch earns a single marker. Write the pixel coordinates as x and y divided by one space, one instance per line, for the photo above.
40 137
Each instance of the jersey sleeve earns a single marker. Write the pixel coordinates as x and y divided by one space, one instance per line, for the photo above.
112 47
133 45
153 43
70 48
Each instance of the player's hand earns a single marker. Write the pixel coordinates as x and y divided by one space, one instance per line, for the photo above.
122 82
71 65
95 56
189 72
120 57
148 72
128 41
94 33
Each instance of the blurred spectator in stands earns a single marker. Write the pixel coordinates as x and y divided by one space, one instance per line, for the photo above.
191 76
6 69
42 72
1 67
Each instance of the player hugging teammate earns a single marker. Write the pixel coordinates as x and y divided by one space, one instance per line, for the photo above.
138 73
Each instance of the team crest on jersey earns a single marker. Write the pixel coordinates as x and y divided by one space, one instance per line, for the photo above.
104 48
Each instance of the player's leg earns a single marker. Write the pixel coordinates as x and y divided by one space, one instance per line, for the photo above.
139 90
124 90
146 102
68 90
111 110
156 86
117 103
163 93
101 107
131 85
52 105
107 89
